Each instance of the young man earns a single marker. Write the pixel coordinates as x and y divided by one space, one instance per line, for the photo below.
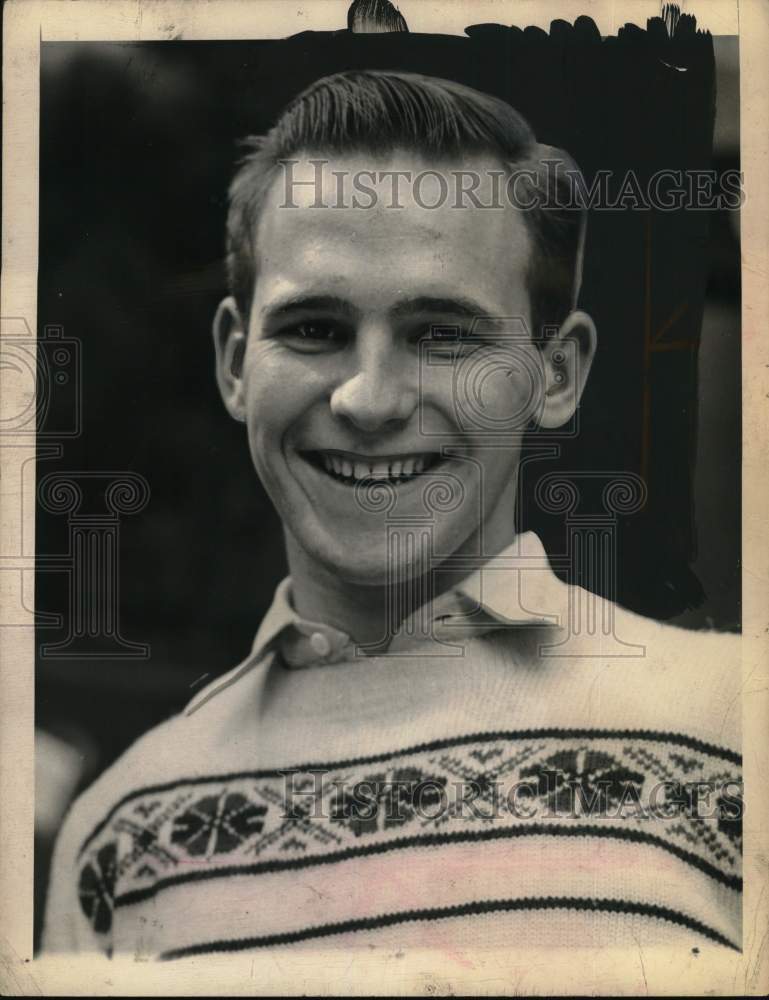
430 745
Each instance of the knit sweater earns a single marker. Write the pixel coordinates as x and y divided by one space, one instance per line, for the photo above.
525 765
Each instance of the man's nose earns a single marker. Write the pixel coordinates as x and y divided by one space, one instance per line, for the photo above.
382 390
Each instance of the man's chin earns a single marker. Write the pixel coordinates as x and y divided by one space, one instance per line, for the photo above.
370 566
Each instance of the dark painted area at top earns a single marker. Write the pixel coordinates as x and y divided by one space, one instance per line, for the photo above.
137 147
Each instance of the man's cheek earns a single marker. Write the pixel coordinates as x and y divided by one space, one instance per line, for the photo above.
493 402
518 395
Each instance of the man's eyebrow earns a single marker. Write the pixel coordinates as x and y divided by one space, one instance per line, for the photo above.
310 303
438 305
452 305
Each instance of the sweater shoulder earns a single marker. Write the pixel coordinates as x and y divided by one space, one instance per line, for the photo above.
672 646
692 675
187 746
151 760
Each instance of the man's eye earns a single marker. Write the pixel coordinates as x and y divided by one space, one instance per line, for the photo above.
447 333
317 331
452 338
314 335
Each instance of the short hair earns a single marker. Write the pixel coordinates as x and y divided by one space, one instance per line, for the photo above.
377 112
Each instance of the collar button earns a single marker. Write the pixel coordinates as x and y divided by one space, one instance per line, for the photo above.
320 644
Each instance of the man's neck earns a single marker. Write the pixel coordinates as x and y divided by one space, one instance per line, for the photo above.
365 613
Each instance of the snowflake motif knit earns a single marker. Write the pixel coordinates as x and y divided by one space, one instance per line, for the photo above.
512 779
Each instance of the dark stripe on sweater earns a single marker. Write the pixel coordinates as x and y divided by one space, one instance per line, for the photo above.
430 840
477 908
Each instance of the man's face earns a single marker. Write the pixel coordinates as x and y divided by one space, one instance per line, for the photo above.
359 370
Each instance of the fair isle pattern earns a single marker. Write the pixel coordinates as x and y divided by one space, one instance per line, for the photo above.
628 785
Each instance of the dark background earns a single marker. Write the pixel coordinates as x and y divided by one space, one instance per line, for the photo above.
137 145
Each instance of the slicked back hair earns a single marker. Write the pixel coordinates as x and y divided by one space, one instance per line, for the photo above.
377 112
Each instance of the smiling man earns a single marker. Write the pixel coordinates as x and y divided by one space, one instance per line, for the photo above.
368 315
413 755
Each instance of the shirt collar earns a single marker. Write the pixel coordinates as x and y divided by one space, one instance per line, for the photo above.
301 641
516 588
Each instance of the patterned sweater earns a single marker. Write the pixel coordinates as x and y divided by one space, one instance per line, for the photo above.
526 765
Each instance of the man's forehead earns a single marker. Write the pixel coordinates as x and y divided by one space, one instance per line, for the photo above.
402 196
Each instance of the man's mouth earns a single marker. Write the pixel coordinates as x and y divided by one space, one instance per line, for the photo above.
349 468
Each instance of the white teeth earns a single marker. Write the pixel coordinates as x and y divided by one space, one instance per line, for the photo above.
397 470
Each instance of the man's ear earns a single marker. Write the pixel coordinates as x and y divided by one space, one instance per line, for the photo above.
230 346
567 358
